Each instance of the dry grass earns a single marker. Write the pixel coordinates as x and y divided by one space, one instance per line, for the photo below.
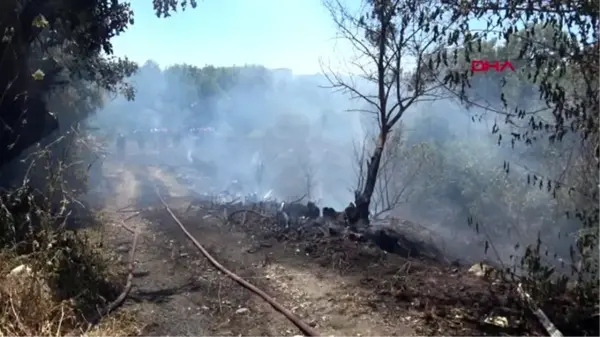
71 276
120 323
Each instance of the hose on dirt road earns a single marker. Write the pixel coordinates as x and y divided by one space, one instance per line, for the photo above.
297 321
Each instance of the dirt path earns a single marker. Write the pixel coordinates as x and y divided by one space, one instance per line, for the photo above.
177 292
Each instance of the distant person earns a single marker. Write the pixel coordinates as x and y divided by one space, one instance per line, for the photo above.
121 144
140 139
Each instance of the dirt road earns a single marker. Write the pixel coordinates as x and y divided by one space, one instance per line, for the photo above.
177 292
338 286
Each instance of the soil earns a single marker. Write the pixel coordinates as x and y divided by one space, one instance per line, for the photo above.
338 285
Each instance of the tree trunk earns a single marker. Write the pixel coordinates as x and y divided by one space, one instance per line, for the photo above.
362 199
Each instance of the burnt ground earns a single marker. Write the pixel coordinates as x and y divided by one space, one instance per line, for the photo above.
338 285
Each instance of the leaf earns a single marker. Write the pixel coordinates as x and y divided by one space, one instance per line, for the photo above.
40 22
9 32
38 75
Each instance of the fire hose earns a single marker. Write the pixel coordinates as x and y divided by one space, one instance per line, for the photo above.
297 321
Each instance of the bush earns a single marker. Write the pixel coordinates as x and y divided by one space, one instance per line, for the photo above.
66 275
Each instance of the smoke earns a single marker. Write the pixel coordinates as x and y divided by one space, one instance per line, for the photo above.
278 135
263 126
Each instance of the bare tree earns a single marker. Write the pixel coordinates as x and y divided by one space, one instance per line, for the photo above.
388 37
308 175
398 171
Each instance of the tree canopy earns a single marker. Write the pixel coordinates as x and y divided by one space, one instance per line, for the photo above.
49 44
555 45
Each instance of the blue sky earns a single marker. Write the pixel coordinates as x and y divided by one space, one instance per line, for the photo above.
295 34
277 34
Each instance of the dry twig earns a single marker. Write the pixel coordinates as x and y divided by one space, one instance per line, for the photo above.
246 211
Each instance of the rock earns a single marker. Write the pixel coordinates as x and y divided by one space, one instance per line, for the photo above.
499 321
242 311
356 237
22 278
312 211
482 270
297 210
20 270
333 231
330 213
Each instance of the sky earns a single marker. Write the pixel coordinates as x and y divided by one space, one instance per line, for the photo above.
293 34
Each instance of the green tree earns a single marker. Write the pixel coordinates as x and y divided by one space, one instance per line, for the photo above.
33 34
552 58
558 58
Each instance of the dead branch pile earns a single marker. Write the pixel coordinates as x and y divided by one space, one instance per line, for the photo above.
299 222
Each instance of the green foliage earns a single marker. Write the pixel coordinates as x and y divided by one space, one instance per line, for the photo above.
564 47
56 69
549 106
556 54
164 8
45 47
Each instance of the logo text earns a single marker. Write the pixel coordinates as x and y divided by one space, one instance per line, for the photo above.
485 66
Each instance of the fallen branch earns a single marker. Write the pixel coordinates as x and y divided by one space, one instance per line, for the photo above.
246 211
244 218
199 202
124 209
130 267
130 211
299 199
129 229
541 316
133 216
233 201
121 298
305 328
189 207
